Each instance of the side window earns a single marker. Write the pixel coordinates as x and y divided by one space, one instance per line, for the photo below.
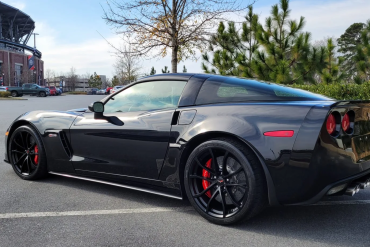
33 87
146 96
27 86
232 90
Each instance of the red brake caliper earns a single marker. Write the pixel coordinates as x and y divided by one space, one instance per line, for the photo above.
206 174
36 159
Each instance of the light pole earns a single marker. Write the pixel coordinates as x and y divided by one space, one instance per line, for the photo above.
3 82
34 39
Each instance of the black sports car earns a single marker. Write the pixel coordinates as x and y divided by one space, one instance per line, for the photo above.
231 146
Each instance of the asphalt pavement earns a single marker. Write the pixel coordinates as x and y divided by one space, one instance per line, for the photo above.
61 211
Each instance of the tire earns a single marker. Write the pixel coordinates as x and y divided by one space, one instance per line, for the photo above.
42 94
27 153
228 191
14 94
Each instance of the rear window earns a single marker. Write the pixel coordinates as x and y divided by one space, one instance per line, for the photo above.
52 88
219 89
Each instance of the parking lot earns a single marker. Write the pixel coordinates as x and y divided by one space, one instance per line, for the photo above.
60 211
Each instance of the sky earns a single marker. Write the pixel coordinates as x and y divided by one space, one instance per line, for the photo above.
72 33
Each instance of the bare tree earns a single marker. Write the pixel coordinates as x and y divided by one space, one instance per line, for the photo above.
182 26
127 66
50 76
72 79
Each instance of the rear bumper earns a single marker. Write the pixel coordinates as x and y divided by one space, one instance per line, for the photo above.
348 181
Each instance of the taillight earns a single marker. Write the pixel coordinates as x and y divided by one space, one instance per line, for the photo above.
345 122
6 89
330 124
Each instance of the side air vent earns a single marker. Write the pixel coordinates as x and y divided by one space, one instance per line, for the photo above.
65 143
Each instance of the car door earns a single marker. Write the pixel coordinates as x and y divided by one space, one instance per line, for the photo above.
26 89
139 146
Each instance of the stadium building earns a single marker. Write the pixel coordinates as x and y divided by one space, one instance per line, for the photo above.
19 63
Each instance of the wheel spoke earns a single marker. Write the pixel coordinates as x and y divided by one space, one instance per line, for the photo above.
27 138
223 202
210 200
204 191
33 164
16 143
232 198
233 173
32 146
28 165
204 167
199 177
18 163
23 142
214 161
21 168
224 161
16 151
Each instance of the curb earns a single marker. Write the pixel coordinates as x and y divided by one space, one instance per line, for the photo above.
12 98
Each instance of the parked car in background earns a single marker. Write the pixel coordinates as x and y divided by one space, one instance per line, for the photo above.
108 89
92 91
116 88
101 92
3 89
28 88
47 91
53 90
59 91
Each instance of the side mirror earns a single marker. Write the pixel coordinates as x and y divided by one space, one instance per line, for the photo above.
98 107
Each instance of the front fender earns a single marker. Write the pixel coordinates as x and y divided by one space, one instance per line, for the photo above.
47 122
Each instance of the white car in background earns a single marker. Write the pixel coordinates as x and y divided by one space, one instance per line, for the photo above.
3 89
116 88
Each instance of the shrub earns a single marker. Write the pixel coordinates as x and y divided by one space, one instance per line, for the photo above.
340 91
5 94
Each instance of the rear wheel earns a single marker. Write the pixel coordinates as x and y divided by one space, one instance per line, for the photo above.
26 153
225 182
14 94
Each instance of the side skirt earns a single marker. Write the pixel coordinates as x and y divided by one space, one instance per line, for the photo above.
118 185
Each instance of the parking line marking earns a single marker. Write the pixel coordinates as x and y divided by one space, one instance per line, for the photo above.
93 212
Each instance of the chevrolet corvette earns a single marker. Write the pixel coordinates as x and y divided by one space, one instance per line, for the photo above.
231 146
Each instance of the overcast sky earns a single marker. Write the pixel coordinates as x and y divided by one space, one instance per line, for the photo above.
69 30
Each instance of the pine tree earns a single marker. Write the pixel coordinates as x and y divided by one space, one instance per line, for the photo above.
165 70
115 81
287 57
250 43
331 72
226 46
362 56
95 81
184 69
153 71
347 44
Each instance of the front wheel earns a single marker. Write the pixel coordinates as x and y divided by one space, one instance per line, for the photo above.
225 182
42 94
26 153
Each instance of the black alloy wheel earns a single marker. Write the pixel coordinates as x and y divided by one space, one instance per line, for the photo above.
26 153
14 94
42 94
225 182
